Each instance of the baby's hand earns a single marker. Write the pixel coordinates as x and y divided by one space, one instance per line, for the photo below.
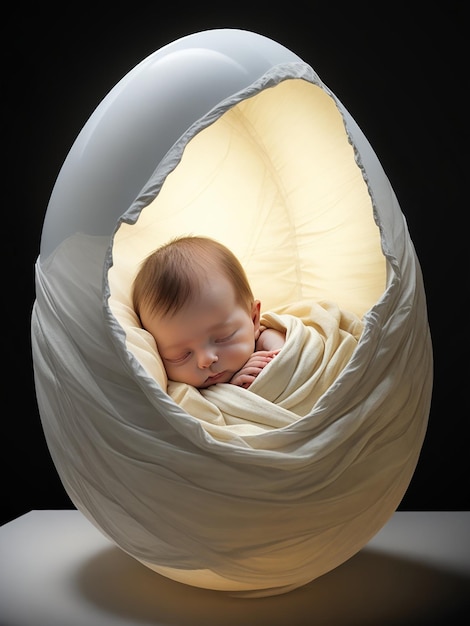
251 369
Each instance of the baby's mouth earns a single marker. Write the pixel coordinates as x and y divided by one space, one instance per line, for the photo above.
213 379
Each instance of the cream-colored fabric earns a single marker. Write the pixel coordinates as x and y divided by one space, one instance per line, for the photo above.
320 340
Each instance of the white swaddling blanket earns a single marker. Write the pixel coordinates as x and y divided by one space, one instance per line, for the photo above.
320 339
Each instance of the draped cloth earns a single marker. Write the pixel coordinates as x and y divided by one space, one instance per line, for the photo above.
238 508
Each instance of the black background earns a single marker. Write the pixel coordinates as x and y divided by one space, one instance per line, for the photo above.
401 77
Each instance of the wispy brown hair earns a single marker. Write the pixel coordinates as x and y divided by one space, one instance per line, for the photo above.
174 273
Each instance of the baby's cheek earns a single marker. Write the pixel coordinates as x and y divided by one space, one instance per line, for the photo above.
179 374
241 353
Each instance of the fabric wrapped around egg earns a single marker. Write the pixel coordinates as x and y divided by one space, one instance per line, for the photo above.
253 491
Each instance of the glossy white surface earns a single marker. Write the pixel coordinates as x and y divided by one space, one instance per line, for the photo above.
140 119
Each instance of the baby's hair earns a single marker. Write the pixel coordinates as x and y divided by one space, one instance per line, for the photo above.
173 274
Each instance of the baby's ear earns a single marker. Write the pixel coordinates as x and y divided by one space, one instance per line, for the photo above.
256 316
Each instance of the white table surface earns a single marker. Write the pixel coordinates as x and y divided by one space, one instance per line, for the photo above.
56 569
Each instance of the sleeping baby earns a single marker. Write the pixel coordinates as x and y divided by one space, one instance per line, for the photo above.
193 296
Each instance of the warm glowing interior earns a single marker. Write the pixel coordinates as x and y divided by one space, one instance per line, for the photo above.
275 179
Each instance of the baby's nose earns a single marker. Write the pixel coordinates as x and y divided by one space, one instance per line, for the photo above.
207 358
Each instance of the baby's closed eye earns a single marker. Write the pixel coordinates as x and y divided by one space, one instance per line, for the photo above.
179 359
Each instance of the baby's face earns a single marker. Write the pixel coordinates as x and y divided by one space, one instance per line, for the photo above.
208 340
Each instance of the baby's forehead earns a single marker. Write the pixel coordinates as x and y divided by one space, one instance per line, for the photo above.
210 296
195 324
213 285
